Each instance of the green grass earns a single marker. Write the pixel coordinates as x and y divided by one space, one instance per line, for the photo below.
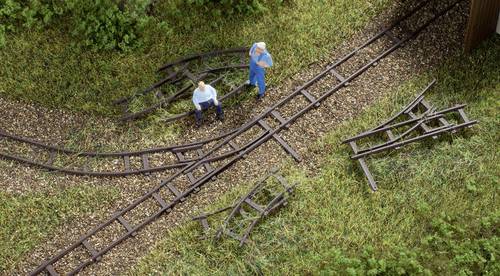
41 66
437 210
26 220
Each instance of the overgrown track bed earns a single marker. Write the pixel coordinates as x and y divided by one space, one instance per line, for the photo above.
264 127
182 75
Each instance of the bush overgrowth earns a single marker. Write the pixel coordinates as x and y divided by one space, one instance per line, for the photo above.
105 24
99 24
224 7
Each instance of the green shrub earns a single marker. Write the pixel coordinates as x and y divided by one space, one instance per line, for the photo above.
107 24
224 7
32 13
99 24
102 24
470 250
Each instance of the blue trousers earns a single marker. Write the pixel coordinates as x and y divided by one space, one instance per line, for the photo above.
258 76
206 105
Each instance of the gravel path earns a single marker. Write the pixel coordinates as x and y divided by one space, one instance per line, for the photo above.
438 42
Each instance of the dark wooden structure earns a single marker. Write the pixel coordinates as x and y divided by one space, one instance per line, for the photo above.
482 22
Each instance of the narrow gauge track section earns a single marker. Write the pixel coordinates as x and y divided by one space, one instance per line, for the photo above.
417 121
188 180
211 67
99 164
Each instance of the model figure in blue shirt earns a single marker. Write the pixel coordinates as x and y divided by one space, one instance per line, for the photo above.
260 59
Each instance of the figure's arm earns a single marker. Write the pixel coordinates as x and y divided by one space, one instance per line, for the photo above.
196 101
252 49
263 64
266 61
214 92
214 95
269 60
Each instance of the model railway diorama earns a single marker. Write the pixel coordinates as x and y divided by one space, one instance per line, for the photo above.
197 163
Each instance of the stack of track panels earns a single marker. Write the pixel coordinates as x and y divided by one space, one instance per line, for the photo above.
183 74
262 200
417 121
251 135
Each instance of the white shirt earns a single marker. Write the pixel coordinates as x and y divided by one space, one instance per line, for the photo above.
203 96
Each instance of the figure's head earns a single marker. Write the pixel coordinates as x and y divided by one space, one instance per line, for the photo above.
201 86
261 47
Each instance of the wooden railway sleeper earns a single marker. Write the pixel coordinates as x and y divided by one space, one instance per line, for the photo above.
392 37
145 163
427 105
208 169
193 78
92 250
126 162
127 226
233 145
179 156
207 165
424 126
337 75
50 269
52 158
174 191
280 118
254 205
280 140
160 200
364 167
310 97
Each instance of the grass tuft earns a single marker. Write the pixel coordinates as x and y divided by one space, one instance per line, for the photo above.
27 220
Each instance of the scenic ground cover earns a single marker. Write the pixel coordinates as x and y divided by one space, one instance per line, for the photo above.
41 67
27 219
437 210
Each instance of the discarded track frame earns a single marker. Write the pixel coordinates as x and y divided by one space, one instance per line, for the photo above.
191 183
421 116
259 209
180 71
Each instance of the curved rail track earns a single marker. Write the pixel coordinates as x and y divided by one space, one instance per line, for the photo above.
264 127
95 163
182 75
